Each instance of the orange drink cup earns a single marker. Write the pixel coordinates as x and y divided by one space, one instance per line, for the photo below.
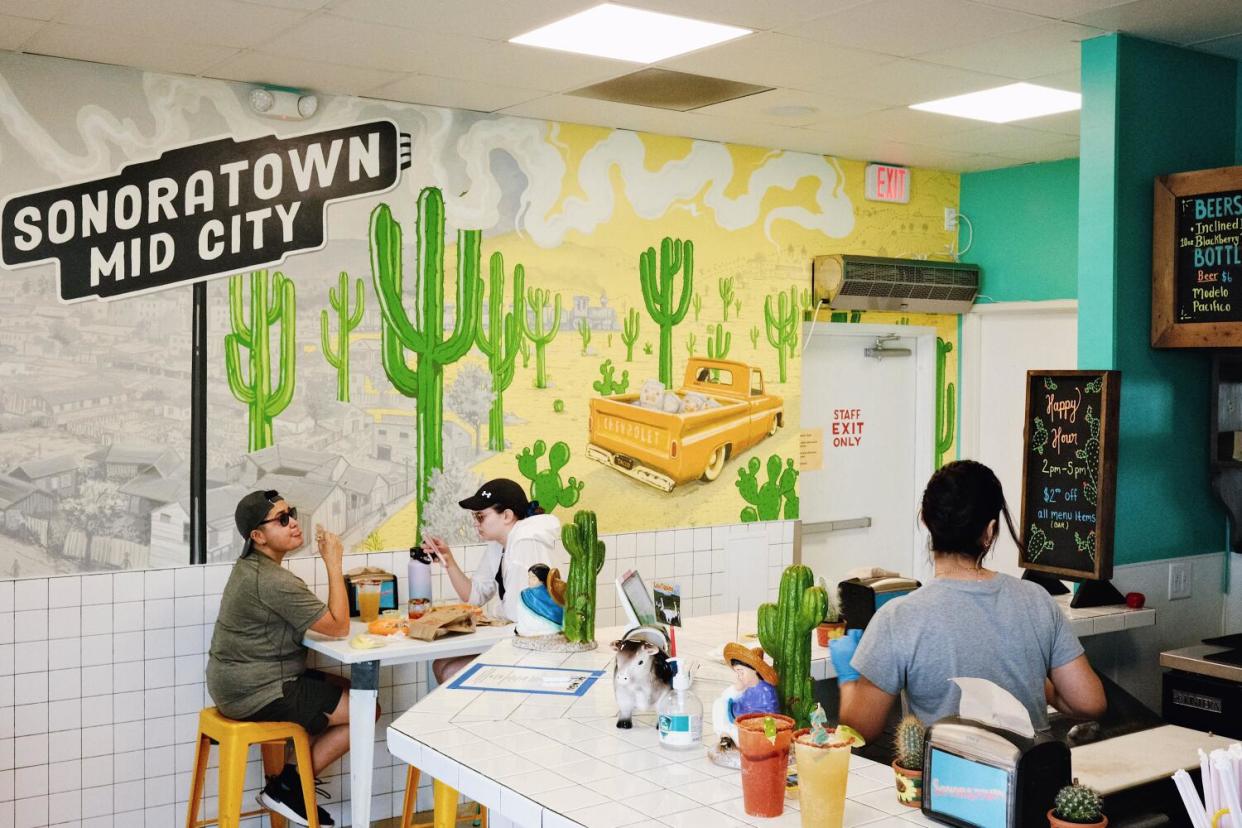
822 774
764 763
368 600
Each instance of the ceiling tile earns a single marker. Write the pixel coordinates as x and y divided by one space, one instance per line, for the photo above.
1070 81
758 108
220 22
899 124
980 163
1057 9
905 82
1062 123
451 92
1230 47
912 27
15 31
747 13
34 9
369 45
477 18
1002 139
305 5
125 49
525 67
774 59
257 67
572 109
1182 22
1048 49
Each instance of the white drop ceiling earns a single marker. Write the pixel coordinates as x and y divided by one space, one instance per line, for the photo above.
843 71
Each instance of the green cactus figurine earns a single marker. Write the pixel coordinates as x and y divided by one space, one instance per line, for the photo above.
586 559
398 335
773 500
725 288
782 326
266 309
675 255
584 331
546 486
946 403
338 297
1078 804
606 386
785 634
908 744
629 334
499 337
533 329
718 342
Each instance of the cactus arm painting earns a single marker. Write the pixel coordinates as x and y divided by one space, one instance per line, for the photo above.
656 277
586 559
629 334
537 299
546 486
785 634
500 338
725 288
607 385
268 306
946 403
718 342
584 331
430 348
774 500
781 325
346 321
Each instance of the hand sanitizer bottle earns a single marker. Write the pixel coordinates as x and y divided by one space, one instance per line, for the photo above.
681 713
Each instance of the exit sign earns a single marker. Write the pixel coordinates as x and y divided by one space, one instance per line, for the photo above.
885 183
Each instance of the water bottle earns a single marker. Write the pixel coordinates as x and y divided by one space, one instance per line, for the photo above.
419 574
681 713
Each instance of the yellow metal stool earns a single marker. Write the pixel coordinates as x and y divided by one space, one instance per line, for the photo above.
444 804
235 739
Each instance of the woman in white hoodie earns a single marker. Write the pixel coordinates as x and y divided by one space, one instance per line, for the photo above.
519 535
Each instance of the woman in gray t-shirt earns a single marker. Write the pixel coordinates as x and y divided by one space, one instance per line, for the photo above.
968 622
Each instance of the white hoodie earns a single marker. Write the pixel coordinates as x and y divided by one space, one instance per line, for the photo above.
532 540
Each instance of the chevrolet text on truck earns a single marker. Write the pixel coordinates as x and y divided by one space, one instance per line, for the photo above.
665 438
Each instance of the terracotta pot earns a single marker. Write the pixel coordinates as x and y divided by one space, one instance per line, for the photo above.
827 631
764 763
909 786
1056 822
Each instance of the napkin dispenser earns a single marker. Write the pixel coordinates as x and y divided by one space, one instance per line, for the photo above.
988 777
862 597
388 587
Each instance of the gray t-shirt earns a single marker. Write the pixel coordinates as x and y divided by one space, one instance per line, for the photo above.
1005 630
256 646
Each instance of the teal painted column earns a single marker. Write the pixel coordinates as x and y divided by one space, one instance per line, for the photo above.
1148 109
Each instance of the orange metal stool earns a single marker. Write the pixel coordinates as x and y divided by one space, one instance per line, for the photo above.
235 739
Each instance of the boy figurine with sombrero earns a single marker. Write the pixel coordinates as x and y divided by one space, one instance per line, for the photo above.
753 691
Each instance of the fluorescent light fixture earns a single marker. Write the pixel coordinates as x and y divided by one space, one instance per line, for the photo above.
623 33
1015 102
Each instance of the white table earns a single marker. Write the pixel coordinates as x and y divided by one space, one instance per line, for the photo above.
364 687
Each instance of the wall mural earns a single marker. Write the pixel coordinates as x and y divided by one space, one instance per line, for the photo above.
613 318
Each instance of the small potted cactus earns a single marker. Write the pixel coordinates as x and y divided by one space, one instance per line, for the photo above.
832 626
1077 805
908 762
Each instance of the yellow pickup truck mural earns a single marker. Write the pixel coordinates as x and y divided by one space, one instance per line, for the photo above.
665 438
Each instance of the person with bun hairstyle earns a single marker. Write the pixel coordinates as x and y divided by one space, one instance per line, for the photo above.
969 622
518 534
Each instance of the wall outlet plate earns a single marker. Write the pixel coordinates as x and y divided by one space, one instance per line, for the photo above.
1179 580
950 218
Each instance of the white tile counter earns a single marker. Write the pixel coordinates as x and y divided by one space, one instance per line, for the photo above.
1090 621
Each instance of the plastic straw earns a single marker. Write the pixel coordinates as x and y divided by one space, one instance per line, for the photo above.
1190 799
1211 800
1224 772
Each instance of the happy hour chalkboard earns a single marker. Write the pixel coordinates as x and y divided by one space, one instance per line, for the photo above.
1197 259
1069 471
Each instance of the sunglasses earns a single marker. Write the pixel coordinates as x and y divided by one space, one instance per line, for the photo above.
283 518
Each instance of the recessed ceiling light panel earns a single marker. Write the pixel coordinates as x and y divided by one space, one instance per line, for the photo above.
624 33
1016 102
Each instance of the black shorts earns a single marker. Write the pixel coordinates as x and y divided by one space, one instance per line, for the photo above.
308 700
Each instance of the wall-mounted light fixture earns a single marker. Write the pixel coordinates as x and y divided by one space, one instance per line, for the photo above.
285 104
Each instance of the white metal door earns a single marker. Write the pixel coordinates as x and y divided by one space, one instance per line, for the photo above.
870 413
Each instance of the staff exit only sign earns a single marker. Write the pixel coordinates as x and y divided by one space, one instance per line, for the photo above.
885 183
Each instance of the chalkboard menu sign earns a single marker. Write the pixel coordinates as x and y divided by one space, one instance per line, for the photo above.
1069 472
1197 259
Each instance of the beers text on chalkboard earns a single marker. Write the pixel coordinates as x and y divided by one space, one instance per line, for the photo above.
1197 259
1069 472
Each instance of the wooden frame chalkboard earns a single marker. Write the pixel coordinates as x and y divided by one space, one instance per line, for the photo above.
1069 473
1196 296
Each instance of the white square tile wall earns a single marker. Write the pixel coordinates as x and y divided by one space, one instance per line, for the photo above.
101 675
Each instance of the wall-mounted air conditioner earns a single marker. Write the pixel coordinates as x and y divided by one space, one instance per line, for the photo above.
872 283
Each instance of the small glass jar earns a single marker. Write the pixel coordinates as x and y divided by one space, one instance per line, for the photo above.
419 607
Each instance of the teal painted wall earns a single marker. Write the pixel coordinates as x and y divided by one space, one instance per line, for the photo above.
1025 223
1141 104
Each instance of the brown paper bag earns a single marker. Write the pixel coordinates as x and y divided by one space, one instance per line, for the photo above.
440 623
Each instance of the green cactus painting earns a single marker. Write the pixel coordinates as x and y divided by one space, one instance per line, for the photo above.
584 331
546 486
737 309
534 330
647 348
754 337
586 559
657 278
499 337
271 302
1039 440
725 288
692 342
773 500
606 385
424 381
524 351
629 333
785 634
781 325
697 303
946 403
718 342
1089 454
346 321
1037 543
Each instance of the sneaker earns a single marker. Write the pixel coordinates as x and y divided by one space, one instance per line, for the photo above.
283 795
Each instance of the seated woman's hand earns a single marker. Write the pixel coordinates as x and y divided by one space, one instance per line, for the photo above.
841 650
438 549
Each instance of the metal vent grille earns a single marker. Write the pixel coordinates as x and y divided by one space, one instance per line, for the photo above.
872 283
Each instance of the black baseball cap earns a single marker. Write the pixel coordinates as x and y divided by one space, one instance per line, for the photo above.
251 511
501 492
